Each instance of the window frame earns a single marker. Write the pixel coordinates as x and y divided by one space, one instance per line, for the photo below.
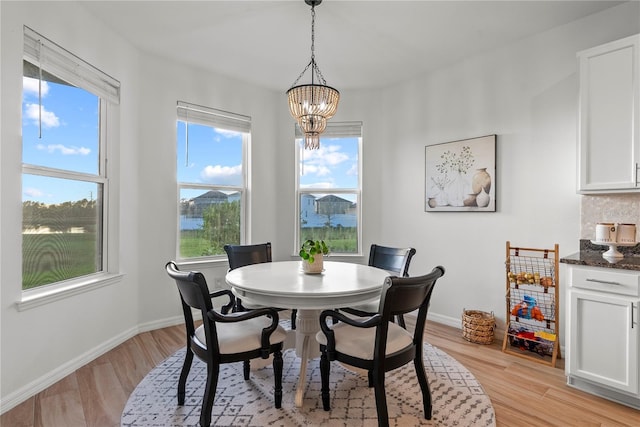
59 62
217 119
333 130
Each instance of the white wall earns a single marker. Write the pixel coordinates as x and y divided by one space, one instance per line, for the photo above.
525 93
163 85
42 343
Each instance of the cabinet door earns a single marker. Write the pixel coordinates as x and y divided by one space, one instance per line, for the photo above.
603 344
608 135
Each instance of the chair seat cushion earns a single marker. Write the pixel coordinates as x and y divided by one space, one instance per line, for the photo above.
238 337
360 342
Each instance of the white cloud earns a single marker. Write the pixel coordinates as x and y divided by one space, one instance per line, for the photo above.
320 162
33 193
67 151
335 158
30 86
221 174
319 185
49 119
227 133
319 170
326 155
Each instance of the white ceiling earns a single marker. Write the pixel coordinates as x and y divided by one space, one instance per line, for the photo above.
358 44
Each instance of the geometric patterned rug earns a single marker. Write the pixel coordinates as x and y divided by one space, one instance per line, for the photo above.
457 397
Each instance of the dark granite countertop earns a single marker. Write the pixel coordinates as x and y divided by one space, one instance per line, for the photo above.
590 255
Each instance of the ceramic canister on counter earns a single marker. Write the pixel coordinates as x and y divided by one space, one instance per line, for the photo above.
626 233
606 232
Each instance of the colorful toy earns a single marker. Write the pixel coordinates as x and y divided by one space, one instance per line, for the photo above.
528 309
527 340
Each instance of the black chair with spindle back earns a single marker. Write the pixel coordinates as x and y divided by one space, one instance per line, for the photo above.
394 260
224 337
242 255
376 343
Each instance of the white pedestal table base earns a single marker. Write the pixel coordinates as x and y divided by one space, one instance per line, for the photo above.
307 348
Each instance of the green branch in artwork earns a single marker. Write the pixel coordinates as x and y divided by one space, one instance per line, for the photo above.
456 162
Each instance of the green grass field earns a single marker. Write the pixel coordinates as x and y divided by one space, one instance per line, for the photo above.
50 258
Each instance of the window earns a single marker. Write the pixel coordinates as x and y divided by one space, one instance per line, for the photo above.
329 188
211 154
65 186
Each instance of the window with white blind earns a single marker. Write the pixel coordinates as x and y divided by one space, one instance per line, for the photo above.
66 136
212 167
329 188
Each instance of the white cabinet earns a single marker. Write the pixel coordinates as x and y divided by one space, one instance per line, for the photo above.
604 346
609 118
603 332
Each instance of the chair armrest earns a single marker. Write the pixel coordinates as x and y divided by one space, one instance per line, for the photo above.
328 331
370 322
232 299
239 316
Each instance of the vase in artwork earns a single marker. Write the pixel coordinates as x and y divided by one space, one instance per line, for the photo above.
470 201
456 191
483 199
481 179
441 198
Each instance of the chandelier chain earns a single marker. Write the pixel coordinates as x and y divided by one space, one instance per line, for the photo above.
312 104
313 34
315 70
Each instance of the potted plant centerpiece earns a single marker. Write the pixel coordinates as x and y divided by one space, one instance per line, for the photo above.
312 253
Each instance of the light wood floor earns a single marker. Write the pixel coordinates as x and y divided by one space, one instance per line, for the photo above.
523 393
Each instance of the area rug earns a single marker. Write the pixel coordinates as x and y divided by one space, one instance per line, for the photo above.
458 398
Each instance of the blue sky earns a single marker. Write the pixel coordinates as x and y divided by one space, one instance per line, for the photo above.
333 165
69 118
215 157
70 122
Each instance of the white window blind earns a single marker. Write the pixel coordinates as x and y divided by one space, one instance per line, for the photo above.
337 130
192 113
58 61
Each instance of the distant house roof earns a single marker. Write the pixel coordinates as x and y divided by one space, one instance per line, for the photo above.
211 195
332 199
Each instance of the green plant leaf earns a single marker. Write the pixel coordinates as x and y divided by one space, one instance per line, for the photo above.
313 247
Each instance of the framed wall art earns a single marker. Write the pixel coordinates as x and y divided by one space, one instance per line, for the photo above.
461 175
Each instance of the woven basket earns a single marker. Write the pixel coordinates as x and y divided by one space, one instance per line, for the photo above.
478 326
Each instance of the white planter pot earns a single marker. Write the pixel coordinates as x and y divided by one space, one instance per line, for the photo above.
314 267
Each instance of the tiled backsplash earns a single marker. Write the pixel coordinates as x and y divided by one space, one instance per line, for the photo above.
622 208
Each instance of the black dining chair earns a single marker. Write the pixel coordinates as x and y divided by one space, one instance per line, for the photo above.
376 343
224 337
394 260
242 255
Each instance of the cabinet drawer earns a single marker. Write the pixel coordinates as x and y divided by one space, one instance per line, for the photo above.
605 280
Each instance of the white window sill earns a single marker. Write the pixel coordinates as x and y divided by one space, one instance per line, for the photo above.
37 297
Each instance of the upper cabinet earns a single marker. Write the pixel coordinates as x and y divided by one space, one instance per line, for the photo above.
609 118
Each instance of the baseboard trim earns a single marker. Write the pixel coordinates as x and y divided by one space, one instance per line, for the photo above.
15 398
445 320
456 322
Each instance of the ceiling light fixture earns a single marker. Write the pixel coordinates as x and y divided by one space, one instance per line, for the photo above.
312 104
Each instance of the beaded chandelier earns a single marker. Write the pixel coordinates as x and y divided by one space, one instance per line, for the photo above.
312 104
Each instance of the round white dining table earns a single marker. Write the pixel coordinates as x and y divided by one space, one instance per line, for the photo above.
284 284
